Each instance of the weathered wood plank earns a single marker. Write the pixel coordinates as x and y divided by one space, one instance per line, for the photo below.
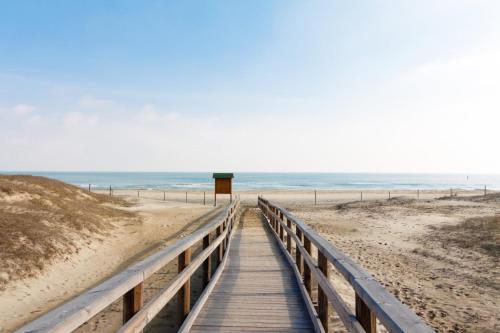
365 316
132 302
184 294
74 313
207 265
394 315
322 299
254 291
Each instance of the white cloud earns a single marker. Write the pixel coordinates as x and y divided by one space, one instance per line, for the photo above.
148 113
89 102
23 109
75 119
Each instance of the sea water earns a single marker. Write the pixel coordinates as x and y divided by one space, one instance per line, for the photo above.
257 180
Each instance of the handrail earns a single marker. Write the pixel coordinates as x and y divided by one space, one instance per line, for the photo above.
129 282
373 301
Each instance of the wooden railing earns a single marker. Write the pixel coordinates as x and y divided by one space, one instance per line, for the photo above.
215 237
372 301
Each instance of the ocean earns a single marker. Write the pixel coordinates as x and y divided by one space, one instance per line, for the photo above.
256 180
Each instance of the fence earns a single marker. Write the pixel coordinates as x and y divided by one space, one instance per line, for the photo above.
215 238
372 301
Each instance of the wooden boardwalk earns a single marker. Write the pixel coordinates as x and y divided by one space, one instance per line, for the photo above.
257 291
262 282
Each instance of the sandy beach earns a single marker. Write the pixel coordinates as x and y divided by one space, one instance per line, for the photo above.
97 256
414 243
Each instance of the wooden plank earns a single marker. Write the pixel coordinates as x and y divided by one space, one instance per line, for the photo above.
307 270
365 316
184 294
219 248
322 299
265 320
255 291
394 315
132 302
345 315
187 324
216 329
207 265
305 295
289 237
155 305
80 309
298 256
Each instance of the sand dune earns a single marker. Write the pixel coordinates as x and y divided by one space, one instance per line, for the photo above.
72 239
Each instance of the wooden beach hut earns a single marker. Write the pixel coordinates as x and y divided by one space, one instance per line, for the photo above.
223 185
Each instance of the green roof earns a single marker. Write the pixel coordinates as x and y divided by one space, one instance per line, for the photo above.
223 175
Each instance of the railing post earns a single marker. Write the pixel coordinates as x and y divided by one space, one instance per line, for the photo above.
288 236
281 226
184 294
274 220
322 299
307 270
219 248
132 302
365 316
298 255
224 227
207 264
277 224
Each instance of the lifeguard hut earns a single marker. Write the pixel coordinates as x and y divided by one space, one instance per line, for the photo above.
223 185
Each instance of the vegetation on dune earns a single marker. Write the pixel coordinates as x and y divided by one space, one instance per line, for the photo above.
43 219
478 233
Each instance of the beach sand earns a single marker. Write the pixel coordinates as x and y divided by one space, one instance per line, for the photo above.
96 259
440 257
403 242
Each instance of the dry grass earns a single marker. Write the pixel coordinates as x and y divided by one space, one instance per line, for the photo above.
481 234
43 219
488 198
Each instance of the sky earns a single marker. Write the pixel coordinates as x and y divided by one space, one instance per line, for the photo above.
261 85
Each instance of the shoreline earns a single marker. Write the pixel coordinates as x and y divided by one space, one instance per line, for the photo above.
288 196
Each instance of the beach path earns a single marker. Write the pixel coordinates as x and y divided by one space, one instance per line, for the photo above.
257 290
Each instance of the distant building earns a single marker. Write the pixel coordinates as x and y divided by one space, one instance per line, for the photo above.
223 185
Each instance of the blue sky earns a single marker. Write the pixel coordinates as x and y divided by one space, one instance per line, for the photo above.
378 86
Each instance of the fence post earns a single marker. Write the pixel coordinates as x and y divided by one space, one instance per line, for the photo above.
109 190
298 255
484 189
418 194
322 299
282 238
207 264
288 236
218 231
89 187
366 318
361 196
184 294
203 198
307 270
163 195
186 197
277 224
315 201
132 302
